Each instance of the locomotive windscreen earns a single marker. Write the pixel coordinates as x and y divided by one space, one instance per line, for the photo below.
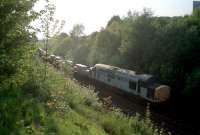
149 82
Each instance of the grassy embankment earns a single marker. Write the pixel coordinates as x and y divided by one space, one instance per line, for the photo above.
59 105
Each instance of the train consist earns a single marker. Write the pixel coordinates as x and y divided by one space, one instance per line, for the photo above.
56 61
143 85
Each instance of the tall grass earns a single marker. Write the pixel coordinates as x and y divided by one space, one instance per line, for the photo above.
60 106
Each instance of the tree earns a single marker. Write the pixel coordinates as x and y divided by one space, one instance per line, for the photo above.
47 20
77 31
15 35
114 19
167 47
16 43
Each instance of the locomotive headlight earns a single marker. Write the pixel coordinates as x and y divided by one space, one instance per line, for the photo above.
162 93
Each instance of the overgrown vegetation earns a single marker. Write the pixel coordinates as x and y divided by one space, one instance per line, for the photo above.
61 106
30 104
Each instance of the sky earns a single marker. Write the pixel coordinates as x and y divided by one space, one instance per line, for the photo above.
94 14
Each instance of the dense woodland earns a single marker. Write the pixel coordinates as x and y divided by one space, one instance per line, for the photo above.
167 47
36 99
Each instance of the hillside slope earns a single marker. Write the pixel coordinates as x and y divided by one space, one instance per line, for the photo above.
60 106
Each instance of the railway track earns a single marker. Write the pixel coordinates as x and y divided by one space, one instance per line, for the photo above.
131 106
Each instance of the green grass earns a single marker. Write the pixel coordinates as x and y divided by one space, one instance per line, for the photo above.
60 106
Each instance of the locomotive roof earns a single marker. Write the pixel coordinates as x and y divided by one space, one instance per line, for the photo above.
69 61
81 65
130 73
107 67
58 57
41 50
116 69
52 55
144 77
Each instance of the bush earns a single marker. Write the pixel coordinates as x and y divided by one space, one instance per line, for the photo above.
58 105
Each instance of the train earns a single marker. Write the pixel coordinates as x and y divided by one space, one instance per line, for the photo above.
56 61
145 86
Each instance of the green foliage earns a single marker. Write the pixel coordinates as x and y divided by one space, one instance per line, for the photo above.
59 105
77 31
73 109
16 42
14 35
192 83
167 47
30 104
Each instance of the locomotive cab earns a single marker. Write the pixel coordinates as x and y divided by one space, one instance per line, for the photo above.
152 90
